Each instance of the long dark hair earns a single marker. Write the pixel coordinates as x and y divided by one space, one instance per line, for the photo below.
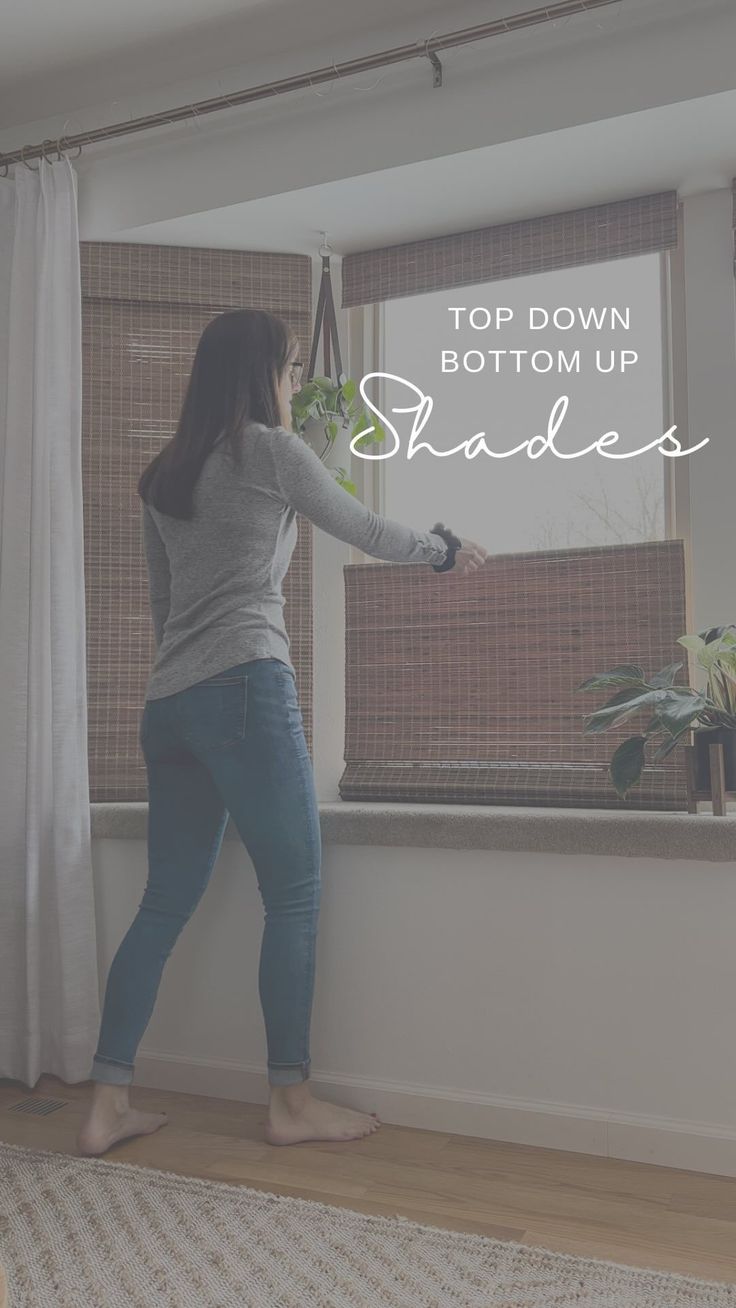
236 371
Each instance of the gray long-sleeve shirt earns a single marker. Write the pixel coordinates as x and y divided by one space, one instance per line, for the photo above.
215 580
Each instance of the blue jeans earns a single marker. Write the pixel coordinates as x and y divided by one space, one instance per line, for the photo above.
231 743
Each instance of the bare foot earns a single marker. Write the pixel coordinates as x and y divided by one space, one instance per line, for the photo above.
294 1116
111 1119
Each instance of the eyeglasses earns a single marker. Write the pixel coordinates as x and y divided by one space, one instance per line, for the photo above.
295 371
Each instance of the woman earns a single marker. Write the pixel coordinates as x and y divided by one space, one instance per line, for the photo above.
222 731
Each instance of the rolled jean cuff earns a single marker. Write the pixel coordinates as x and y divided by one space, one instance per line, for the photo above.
109 1072
288 1073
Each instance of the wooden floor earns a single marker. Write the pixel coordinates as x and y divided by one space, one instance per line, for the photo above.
629 1213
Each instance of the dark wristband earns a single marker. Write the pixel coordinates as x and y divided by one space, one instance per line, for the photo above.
453 544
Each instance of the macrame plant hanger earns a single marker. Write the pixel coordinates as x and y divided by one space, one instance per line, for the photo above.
325 323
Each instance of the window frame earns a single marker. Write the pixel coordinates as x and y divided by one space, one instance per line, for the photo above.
678 490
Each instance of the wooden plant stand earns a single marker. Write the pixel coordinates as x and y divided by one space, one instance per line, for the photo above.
717 793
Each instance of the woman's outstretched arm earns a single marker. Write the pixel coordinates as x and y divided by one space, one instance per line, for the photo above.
307 486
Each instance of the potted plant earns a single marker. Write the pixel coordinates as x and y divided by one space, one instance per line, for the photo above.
674 710
323 409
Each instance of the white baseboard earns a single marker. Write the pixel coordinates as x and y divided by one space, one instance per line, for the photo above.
692 1146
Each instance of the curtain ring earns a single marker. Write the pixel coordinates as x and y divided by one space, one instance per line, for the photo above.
58 145
24 148
6 166
23 159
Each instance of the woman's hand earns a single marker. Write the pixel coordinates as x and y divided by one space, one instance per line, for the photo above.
468 559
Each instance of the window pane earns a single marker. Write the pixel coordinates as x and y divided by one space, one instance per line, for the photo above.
518 503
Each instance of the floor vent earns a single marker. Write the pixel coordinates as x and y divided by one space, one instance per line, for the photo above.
39 1107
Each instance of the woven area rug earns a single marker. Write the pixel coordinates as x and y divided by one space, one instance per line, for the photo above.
84 1233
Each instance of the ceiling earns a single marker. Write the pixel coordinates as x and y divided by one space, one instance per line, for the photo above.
689 146
60 55
55 56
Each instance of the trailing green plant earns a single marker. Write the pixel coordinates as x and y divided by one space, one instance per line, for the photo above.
335 405
675 710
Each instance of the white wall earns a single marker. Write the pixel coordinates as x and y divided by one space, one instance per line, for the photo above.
582 1003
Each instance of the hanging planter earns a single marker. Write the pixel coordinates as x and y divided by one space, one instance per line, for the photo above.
327 414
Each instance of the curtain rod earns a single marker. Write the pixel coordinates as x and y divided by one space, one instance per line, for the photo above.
418 50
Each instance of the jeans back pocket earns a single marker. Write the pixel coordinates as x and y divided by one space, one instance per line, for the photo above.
212 714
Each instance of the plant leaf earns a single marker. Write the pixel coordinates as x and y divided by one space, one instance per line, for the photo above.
343 480
667 746
693 643
667 676
625 695
307 393
714 633
677 711
363 420
627 763
625 674
613 714
708 655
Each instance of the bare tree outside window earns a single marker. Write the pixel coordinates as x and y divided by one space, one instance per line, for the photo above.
594 519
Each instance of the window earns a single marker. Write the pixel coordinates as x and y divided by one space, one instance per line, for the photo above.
467 693
519 503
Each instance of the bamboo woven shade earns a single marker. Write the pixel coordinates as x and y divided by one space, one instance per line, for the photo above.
144 310
463 689
534 245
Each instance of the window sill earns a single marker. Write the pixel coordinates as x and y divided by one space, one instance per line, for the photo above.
700 837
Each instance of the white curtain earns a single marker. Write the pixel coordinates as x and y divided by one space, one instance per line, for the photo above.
48 961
